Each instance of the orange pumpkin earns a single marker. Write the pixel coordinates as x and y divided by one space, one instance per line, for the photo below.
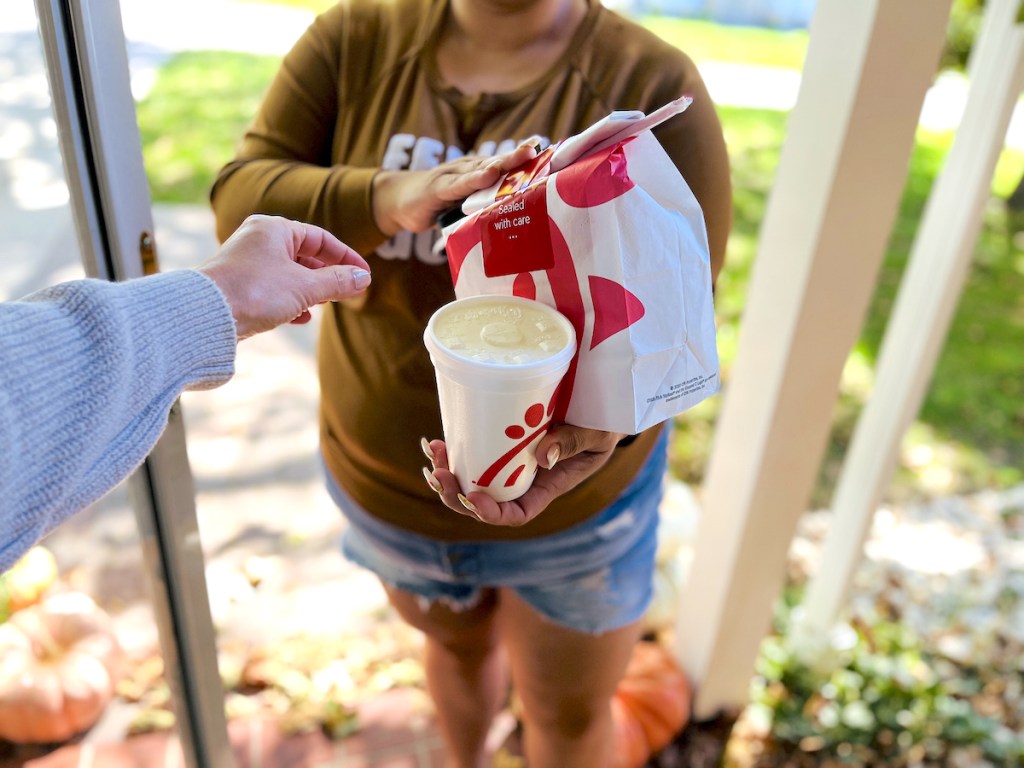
631 749
58 666
650 706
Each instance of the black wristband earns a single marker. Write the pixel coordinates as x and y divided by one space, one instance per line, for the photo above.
449 217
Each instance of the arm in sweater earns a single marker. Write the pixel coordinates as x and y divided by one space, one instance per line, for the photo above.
89 369
89 372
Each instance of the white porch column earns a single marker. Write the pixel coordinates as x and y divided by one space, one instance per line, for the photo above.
835 197
928 296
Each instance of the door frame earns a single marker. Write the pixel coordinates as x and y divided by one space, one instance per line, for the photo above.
87 68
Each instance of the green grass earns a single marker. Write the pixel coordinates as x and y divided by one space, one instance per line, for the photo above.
975 405
972 422
195 115
972 419
706 41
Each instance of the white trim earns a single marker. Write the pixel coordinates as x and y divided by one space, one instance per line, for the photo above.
931 287
840 177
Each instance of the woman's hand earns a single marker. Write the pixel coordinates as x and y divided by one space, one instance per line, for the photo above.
567 455
412 200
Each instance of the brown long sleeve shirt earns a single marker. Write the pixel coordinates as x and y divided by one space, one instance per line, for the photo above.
360 91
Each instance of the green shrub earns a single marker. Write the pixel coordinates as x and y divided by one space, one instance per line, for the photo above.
964 25
871 695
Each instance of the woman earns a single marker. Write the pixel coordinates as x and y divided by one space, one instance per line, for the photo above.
385 114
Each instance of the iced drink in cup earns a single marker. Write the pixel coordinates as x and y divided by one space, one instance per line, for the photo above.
499 361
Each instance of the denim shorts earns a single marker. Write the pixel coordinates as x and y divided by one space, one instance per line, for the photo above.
593 577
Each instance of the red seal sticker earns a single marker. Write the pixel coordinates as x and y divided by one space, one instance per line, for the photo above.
515 233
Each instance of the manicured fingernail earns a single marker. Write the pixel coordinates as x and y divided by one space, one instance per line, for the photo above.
360 278
554 454
433 482
467 503
427 450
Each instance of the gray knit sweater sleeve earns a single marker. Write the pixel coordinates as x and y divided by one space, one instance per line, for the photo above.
88 373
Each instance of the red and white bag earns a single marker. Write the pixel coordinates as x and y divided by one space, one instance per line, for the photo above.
603 228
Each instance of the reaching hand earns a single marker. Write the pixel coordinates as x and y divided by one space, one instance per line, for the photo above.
272 270
567 455
412 200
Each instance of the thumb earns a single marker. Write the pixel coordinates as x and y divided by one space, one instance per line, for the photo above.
566 441
562 442
336 283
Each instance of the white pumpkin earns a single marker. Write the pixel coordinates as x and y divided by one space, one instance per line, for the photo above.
59 662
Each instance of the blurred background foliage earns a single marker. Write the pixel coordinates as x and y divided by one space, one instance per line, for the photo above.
964 24
970 433
874 693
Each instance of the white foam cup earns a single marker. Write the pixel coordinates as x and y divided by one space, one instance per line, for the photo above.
498 362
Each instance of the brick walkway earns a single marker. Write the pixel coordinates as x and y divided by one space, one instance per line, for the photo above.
393 733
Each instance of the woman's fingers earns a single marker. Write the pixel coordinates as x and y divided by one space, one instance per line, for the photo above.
567 456
439 478
460 178
412 200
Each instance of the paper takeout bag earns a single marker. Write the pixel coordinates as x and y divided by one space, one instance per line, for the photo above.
603 228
